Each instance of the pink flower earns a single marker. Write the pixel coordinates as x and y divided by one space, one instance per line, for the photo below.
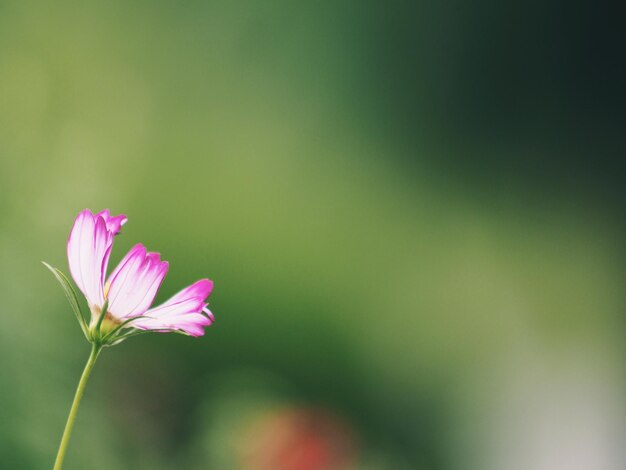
133 284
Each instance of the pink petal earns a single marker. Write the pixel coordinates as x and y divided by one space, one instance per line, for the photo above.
114 224
88 249
199 290
184 311
209 314
134 283
137 251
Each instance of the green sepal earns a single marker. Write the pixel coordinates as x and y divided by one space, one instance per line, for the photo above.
103 314
70 293
180 332
112 333
135 332
121 337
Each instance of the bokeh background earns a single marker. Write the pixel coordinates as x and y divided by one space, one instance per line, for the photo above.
413 213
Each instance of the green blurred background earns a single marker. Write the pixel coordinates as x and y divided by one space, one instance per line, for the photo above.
413 214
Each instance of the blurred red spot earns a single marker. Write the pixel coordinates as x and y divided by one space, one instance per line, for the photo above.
298 439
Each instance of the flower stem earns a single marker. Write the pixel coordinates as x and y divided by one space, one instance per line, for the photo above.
95 350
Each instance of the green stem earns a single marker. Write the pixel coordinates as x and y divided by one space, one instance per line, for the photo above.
95 350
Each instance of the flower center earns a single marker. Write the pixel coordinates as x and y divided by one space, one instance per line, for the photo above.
109 322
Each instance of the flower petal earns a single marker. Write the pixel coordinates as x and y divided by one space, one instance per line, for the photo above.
114 224
134 283
184 311
88 249
199 290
